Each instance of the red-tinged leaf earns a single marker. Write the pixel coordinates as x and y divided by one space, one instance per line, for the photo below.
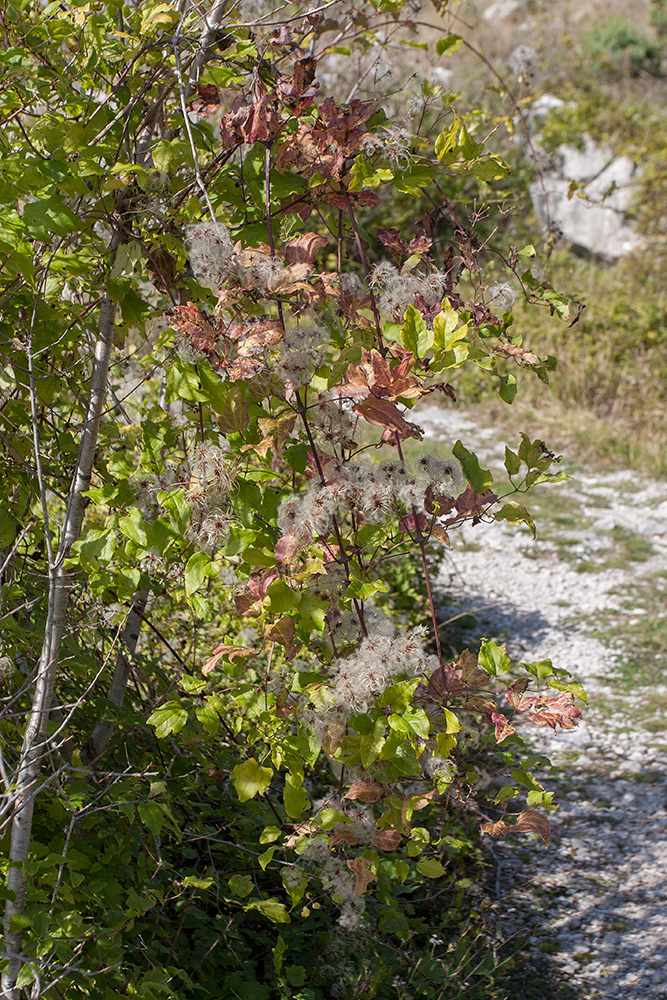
192 322
498 829
515 691
386 840
344 836
231 652
551 711
520 354
247 603
283 631
532 820
259 585
471 674
392 240
208 101
411 525
361 867
289 546
503 728
420 245
437 503
364 791
470 502
299 830
382 413
304 249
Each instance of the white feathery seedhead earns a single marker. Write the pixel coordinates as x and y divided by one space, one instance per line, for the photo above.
210 250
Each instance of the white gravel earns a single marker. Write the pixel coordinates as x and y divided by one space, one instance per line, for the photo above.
598 894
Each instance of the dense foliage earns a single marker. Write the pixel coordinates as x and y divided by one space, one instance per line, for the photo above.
237 759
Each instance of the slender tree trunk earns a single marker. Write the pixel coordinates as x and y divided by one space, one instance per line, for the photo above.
35 740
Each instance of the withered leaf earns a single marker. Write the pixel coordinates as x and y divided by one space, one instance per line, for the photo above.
283 631
385 414
503 727
344 836
531 820
192 322
231 652
498 829
519 354
304 249
208 101
364 791
386 840
289 546
361 867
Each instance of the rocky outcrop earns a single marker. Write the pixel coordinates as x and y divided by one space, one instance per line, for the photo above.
584 192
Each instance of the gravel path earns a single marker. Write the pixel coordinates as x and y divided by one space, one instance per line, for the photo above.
597 898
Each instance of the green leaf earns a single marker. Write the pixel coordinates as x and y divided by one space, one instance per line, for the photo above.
515 513
133 527
480 479
251 778
507 388
469 148
50 216
493 658
512 462
445 744
198 883
196 570
490 168
365 175
247 502
19 922
295 883
152 815
168 718
294 797
269 834
241 885
282 598
430 867
272 909
452 722
450 44
415 335
266 858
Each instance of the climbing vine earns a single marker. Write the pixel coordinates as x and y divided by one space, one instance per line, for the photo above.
233 725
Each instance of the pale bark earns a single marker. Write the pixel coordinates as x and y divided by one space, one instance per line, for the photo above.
35 741
212 25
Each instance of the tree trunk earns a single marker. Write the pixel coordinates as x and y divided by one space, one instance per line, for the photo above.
35 740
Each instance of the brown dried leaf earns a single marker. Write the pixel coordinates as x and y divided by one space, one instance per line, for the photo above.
192 322
232 652
364 791
344 836
208 101
532 820
472 676
498 829
362 873
386 840
283 631
520 354
437 531
503 727
304 249
382 413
